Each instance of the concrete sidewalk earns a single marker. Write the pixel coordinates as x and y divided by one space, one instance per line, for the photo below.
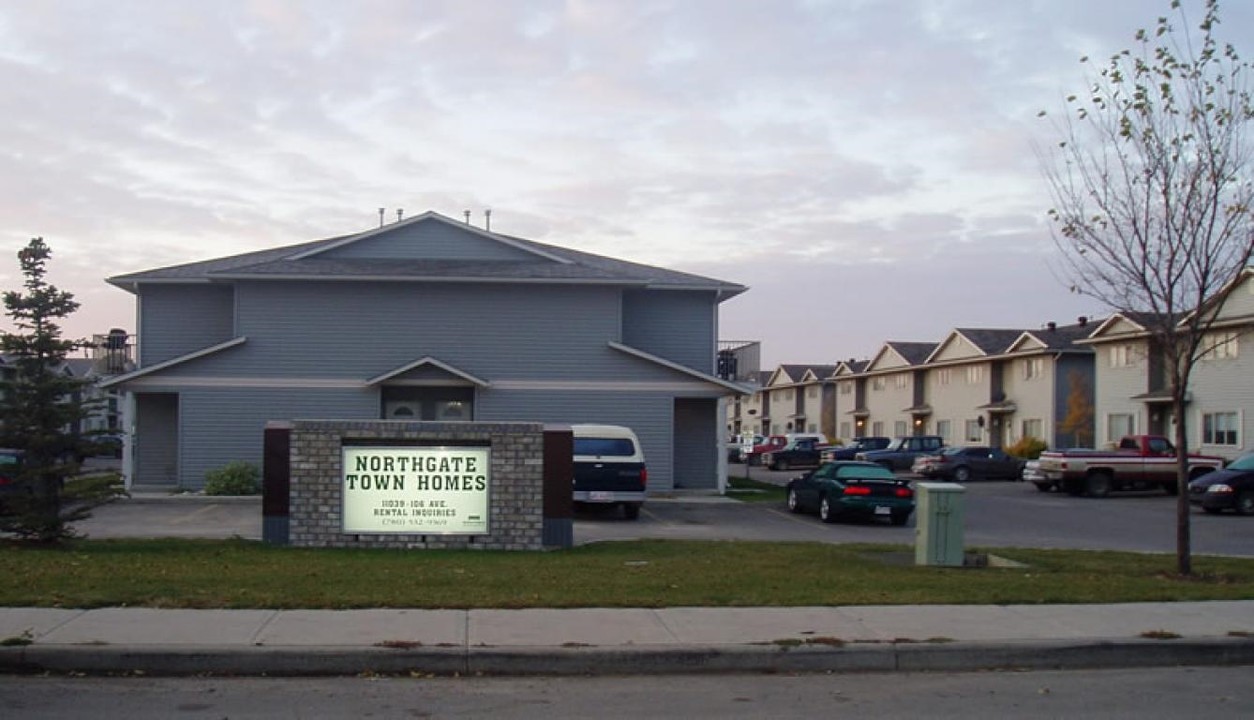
625 641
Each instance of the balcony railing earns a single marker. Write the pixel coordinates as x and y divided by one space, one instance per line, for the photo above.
113 354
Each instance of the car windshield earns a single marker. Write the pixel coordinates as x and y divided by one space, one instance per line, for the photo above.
864 472
7 459
1245 462
621 447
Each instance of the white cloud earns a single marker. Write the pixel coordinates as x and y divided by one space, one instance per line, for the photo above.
818 151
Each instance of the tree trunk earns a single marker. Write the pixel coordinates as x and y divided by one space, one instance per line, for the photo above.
1184 551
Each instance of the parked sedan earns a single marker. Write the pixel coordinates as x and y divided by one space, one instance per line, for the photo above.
973 462
848 488
1229 489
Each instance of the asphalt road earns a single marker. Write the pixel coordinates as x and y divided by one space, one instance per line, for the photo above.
998 514
1141 693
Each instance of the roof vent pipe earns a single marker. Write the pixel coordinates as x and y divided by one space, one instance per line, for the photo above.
467 214
1051 325
487 219
1083 320
381 211
399 214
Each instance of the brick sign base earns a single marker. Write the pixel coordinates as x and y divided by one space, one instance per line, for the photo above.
308 511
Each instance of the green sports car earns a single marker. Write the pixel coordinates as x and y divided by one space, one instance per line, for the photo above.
852 488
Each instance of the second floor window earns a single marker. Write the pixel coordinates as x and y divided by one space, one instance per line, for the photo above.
846 388
975 373
1122 356
877 383
1219 346
902 382
943 376
812 392
1033 368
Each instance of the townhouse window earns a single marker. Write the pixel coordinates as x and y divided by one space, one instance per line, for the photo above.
900 428
844 430
973 431
1034 428
975 374
1033 368
812 392
846 388
1219 346
944 428
902 381
1118 425
877 428
1122 356
1220 428
943 376
812 427
877 383
787 396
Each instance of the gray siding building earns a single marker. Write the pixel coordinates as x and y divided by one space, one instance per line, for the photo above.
430 319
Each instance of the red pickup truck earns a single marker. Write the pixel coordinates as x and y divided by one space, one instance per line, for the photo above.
1139 462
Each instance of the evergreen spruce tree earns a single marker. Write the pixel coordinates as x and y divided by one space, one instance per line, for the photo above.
42 408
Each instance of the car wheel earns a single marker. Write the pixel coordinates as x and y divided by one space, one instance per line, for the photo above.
962 474
782 465
1245 503
1097 485
826 512
1171 488
900 518
794 504
631 511
1044 486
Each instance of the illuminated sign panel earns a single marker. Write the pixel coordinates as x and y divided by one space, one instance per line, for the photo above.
419 490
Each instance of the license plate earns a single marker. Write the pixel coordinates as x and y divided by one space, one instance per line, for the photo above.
600 496
881 510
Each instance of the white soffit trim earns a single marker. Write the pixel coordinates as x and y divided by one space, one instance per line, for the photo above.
141 372
734 387
424 362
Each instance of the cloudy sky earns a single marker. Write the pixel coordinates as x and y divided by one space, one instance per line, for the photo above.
866 167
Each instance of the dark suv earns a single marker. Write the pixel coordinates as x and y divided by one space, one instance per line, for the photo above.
900 454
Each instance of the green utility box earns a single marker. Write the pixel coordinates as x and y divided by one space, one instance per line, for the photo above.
938 524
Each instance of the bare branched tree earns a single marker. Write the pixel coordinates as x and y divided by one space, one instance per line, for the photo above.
1152 187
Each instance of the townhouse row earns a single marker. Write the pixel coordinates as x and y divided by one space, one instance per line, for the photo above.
1079 385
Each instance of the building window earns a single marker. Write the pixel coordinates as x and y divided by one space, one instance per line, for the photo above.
973 431
812 392
846 388
1033 428
877 382
844 430
902 382
900 428
1033 368
1121 356
877 428
1118 425
975 374
943 428
1219 346
1220 428
943 376
787 396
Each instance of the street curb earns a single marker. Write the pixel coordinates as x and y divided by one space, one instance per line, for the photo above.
290 661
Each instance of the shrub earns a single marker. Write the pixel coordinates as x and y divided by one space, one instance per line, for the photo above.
237 478
1028 448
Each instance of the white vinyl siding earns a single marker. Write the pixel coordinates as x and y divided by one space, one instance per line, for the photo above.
1118 425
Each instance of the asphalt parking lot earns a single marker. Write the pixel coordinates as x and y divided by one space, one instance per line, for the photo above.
997 514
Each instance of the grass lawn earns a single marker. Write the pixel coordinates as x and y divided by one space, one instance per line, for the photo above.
243 574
